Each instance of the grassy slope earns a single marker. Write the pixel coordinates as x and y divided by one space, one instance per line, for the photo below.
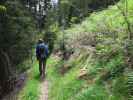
110 19
62 87
68 87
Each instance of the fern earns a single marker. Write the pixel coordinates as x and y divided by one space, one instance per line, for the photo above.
130 86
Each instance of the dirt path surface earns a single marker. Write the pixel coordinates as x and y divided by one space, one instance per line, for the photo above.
44 90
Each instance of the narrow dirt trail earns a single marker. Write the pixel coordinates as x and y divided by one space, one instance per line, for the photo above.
44 90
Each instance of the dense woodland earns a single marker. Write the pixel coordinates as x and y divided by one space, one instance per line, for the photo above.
94 37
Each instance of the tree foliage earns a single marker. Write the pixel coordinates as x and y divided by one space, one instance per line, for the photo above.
17 34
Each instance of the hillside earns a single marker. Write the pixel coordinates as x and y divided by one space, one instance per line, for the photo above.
100 65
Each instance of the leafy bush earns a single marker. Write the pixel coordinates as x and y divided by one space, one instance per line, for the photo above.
93 92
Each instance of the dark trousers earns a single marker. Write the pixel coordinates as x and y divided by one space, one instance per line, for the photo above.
42 66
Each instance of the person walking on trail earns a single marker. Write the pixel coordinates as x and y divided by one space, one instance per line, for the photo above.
42 54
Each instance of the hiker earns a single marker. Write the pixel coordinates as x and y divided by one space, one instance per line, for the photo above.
42 54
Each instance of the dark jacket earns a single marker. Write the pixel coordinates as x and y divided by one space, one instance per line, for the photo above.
39 53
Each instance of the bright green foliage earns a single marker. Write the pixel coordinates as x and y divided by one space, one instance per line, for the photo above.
106 65
62 87
2 8
68 86
94 92
109 22
74 11
119 88
31 89
130 85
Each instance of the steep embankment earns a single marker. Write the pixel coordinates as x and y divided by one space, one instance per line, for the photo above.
99 67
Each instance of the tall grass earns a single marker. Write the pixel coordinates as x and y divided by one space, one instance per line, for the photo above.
31 89
65 86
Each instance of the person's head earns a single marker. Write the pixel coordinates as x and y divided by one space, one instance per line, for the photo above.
40 41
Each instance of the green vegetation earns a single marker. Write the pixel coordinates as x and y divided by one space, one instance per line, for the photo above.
62 87
103 76
31 89
98 68
90 44
17 36
106 66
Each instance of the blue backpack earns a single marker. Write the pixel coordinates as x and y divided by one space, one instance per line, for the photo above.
43 50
